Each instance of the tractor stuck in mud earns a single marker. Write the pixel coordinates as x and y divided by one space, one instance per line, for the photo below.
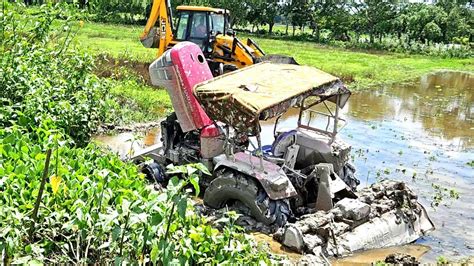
302 185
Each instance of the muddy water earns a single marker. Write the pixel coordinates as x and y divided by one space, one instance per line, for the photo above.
420 132
370 256
128 143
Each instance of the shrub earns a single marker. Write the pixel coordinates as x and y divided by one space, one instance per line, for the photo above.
43 77
93 207
96 208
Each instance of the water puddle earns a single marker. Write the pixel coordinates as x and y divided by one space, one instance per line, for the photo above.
126 144
420 132
370 256
276 247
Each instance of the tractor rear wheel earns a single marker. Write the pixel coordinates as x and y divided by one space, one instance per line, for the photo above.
231 185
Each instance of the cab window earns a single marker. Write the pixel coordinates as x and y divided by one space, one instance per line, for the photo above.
217 23
182 29
199 26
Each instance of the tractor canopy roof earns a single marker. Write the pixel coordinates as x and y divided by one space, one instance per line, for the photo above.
262 91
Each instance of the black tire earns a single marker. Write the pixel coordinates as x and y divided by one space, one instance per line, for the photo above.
231 185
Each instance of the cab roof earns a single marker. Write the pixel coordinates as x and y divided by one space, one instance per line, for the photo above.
202 8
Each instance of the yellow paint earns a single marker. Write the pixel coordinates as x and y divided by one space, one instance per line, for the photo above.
242 56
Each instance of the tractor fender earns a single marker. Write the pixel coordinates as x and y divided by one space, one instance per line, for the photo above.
273 179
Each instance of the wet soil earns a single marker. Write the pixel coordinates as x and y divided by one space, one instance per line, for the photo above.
110 67
421 132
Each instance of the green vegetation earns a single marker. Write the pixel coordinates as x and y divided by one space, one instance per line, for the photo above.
64 200
361 69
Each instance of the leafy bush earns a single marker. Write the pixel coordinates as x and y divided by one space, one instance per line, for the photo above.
96 208
60 203
43 77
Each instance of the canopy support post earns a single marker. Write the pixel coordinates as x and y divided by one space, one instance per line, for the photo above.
336 115
259 141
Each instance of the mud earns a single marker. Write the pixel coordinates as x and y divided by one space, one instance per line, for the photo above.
110 67
374 255
332 233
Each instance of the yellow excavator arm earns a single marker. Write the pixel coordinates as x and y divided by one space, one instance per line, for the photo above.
161 36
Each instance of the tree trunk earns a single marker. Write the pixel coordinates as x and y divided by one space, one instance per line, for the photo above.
294 28
286 32
270 28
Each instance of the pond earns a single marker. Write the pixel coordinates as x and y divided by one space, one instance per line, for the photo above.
421 132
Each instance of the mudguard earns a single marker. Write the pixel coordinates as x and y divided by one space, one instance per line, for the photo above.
273 179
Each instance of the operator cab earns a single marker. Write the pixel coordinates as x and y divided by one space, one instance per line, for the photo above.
200 25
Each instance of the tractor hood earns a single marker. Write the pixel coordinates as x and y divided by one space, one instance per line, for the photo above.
262 91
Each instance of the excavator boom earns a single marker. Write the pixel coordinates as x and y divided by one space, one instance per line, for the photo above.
158 37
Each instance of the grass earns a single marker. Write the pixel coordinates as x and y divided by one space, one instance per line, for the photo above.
120 41
360 69
137 102
363 70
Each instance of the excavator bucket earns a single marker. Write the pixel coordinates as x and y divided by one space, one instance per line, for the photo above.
151 40
277 59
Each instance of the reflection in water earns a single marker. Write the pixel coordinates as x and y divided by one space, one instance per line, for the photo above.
128 143
442 103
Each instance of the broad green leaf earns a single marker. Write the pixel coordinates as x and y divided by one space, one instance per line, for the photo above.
154 254
194 179
182 205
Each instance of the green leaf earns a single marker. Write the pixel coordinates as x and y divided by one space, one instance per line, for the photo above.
201 167
154 254
194 179
182 206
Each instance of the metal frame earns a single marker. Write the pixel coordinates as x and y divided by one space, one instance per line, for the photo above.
334 116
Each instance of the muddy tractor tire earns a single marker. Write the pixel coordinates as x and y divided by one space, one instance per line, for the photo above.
230 186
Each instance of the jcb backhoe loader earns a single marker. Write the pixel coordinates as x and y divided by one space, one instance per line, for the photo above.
207 27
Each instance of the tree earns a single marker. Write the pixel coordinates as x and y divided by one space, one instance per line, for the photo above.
270 9
375 16
432 32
